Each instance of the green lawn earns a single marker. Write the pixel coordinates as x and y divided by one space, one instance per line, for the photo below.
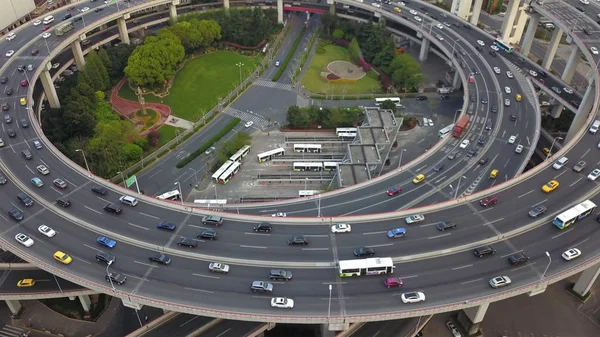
167 133
198 86
313 82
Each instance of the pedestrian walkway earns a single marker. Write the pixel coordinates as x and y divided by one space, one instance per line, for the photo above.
179 123
270 84
260 122
11 331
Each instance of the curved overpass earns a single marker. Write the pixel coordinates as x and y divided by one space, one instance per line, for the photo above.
358 300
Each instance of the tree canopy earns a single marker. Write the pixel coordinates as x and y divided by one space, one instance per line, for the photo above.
304 118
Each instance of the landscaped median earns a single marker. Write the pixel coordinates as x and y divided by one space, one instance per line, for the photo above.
289 56
208 144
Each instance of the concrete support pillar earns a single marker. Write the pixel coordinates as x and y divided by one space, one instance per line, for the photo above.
556 110
571 66
78 54
464 8
279 11
471 318
584 283
307 16
14 306
552 47
583 112
332 8
123 33
424 50
456 80
49 88
519 26
226 4
165 311
325 332
534 21
173 11
86 303
509 19
476 12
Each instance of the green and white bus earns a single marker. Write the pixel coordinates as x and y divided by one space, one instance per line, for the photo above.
370 266
64 28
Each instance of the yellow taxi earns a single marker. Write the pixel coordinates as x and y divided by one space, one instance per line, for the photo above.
62 257
493 174
397 10
550 186
419 178
23 101
26 283
547 151
518 97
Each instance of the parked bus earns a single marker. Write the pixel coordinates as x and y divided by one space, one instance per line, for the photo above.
306 193
231 171
308 167
396 100
445 131
171 195
345 130
238 156
575 213
504 46
64 28
48 20
310 148
221 170
266 156
330 166
347 135
371 266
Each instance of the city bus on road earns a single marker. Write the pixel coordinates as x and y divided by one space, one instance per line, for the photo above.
575 213
504 46
266 156
395 100
64 28
171 195
231 171
310 148
330 166
238 156
445 131
370 266
221 170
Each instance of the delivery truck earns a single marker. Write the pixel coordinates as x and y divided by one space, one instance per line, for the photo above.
460 126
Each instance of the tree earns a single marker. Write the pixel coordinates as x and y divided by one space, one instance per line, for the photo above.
118 56
388 105
156 60
104 112
384 58
105 60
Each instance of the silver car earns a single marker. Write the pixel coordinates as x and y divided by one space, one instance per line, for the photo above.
218 268
499 281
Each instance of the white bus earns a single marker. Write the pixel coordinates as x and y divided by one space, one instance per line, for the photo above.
171 195
265 156
48 20
575 213
221 170
238 156
345 130
330 166
445 131
231 171
371 266
396 100
311 148
308 167
347 135
306 193
504 46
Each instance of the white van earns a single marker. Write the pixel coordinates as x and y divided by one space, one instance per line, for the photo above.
48 20
128 200
594 128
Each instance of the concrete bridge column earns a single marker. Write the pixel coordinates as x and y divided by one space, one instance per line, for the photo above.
78 54
123 33
279 11
556 110
509 19
456 80
173 10
463 8
534 20
584 283
476 11
552 47
424 50
14 306
226 4
571 66
331 7
49 88
583 112
86 303
471 318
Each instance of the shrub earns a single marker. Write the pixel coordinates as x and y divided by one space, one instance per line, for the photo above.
208 144
332 76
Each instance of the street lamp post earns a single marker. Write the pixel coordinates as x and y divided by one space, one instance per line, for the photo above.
180 193
552 146
305 182
319 206
458 186
84 160
454 47
123 178
108 274
329 308
548 266
240 65
216 196
400 161
195 175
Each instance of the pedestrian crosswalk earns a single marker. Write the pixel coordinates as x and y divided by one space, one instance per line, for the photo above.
12 331
270 84
260 122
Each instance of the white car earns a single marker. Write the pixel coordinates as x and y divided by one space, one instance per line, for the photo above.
519 148
37 22
1 143
85 9
464 144
506 102
568 90
413 297
46 35
440 26
402 3
512 139
571 254
481 43
585 2
418 19
282 303
279 215
10 53
439 37
415 219
544 103
560 163
509 74
43 169
55 65
497 70
453 329
413 12
594 175
494 47
11 36
446 24
24 240
47 231
507 90
218 268
533 73
378 5
249 124
500 281
341 228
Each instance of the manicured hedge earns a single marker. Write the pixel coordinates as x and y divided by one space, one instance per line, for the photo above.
208 144
289 56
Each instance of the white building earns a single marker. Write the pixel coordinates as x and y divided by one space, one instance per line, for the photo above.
14 13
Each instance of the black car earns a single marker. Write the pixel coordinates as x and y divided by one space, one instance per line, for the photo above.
494 108
35 52
482 139
4 80
442 226
517 259
444 97
580 9
467 26
543 73
3 179
208 234
113 208
105 257
99 190
539 210
116 278
521 60
11 133
9 91
16 214
472 98
421 98
24 123
160 258
77 19
472 152
298 240
483 161
513 118
99 9
188 242
280 275
26 154
67 16
478 48
493 53
263 227
63 201
483 251
21 68
438 167
25 199
364 251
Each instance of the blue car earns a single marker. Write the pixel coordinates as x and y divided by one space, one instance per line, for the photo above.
103 240
396 233
166 225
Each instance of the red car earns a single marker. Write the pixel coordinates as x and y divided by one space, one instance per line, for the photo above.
471 79
489 201
394 190
24 83
45 28
395 282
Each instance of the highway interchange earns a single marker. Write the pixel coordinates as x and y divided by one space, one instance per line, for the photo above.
445 279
